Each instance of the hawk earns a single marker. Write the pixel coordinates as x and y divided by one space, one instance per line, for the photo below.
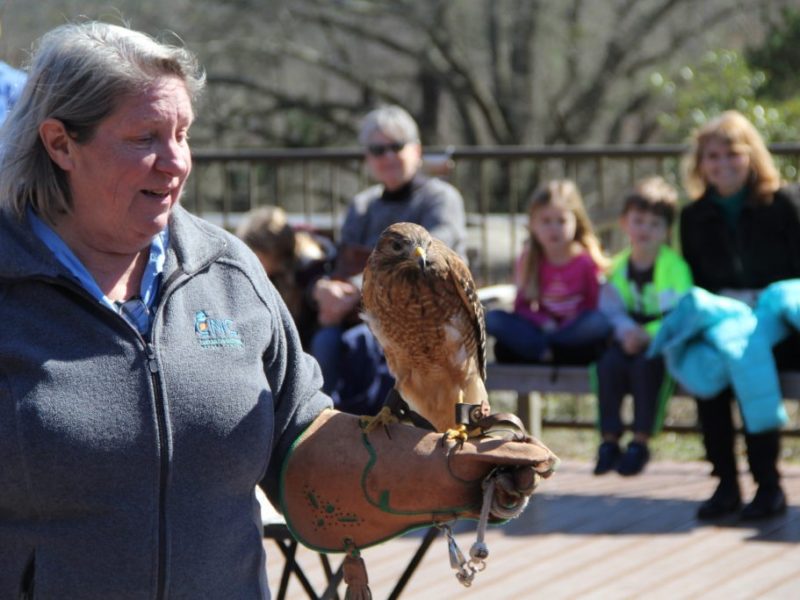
420 301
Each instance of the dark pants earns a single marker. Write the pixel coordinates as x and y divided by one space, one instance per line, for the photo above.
619 374
763 449
360 379
354 369
520 340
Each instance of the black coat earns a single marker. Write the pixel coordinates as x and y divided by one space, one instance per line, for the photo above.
764 248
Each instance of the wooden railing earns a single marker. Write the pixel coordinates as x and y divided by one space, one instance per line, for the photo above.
315 185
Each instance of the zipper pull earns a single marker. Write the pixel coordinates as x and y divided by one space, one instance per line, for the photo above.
151 359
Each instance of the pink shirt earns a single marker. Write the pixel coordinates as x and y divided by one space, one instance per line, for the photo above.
565 291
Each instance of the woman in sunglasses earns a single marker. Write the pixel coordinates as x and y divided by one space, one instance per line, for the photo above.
342 345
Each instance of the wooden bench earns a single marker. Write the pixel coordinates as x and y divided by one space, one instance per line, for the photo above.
531 381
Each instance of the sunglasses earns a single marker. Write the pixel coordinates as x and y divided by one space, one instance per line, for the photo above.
381 149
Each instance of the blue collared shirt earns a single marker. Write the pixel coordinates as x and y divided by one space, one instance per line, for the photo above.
137 311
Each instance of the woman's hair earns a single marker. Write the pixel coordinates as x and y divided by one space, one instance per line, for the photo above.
732 128
79 74
267 230
392 121
564 194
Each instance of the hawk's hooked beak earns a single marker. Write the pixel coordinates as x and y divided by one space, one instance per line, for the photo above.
419 252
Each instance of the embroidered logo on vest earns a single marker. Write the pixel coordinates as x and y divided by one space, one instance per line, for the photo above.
215 332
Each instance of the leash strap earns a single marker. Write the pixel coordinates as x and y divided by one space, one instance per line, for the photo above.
479 552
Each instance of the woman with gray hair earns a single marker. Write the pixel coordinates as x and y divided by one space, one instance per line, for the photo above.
148 370
352 363
150 375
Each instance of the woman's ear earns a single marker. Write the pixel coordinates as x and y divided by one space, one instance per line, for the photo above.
57 142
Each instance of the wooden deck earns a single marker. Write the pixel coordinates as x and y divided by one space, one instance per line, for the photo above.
601 537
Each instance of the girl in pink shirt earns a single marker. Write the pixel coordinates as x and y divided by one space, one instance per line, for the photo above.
558 280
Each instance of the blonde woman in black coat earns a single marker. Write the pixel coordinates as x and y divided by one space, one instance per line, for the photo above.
740 233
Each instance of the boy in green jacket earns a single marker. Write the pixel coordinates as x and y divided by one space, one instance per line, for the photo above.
644 283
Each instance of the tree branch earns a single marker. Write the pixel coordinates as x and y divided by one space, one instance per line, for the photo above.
681 38
469 84
573 14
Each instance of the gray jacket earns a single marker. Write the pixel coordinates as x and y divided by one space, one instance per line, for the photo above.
128 466
431 202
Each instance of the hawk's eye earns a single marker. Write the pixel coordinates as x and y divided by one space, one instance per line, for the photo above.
397 246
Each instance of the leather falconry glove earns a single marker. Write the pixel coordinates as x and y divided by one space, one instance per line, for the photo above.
343 489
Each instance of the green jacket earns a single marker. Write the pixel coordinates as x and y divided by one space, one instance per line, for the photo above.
626 307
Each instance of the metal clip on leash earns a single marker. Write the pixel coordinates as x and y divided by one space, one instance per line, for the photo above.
465 571
479 552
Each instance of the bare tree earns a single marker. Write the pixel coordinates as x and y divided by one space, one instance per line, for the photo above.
481 72
478 72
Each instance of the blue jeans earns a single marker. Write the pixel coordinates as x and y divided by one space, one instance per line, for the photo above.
327 347
529 342
353 367
618 374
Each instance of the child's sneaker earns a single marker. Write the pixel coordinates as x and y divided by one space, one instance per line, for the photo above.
607 457
634 459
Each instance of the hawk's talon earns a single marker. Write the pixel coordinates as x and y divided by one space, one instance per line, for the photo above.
459 434
384 417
